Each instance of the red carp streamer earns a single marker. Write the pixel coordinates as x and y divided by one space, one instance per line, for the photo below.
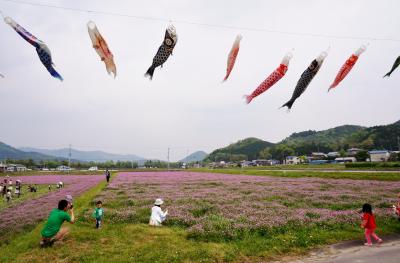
347 66
271 79
232 56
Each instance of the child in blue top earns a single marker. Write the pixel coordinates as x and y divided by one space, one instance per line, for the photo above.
98 213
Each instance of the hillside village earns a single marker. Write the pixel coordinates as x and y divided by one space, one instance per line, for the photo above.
352 155
342 144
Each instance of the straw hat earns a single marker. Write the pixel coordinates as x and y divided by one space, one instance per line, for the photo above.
158 201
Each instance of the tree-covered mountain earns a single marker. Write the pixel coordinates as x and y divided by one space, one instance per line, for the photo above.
247 149
339 138
194 157
378 137
334 139
8 152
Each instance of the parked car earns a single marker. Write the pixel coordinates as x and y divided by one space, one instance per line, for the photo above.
63 168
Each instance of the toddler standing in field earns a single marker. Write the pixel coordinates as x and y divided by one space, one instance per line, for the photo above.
369 224
98 214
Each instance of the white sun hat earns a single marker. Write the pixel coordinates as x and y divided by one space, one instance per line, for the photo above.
159 201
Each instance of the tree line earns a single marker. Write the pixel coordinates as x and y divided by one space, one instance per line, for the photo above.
53 164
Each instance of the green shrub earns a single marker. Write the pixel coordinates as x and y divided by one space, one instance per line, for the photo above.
373 165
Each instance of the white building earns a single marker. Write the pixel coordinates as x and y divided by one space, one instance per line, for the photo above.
346 160
262 162
3 167
379 156
16 168
353 151
318 155
292 160
333 154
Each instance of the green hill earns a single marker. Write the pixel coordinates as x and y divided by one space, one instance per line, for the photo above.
329 140
377 137
306 142
247 149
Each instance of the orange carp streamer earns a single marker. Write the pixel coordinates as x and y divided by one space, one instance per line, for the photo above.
232 56
271 79
101 47
347 66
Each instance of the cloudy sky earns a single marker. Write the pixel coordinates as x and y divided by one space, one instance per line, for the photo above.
186 107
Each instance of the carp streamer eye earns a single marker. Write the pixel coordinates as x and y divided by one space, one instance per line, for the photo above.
168 42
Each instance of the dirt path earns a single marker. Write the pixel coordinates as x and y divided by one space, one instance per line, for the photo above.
354 251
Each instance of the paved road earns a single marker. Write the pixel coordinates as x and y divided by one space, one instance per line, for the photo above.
355 252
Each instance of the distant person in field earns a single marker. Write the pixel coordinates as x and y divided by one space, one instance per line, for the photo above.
18 188
52 231
157 215
60 184
32 189
8 196
10 188
369 225
98 214
396 208
2 189
108 175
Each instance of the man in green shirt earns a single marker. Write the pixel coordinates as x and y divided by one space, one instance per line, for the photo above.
51 231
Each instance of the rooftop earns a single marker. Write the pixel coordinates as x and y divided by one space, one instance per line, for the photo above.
378 151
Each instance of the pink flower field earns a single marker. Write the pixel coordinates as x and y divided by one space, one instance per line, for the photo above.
30 212
219 204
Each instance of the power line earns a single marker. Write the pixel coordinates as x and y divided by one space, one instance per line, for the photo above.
220 26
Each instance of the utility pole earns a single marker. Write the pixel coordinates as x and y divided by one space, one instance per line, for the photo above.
69 158
168 159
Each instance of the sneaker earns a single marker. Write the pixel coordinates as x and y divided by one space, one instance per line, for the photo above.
367 244
47 243
380 241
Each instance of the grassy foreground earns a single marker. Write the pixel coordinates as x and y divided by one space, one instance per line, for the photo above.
133 242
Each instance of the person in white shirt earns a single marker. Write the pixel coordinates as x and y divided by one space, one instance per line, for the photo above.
8 196
157 215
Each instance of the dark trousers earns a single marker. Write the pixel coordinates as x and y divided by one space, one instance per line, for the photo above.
98 223
108 178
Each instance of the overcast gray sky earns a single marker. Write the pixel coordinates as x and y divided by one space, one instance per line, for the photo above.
186 107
